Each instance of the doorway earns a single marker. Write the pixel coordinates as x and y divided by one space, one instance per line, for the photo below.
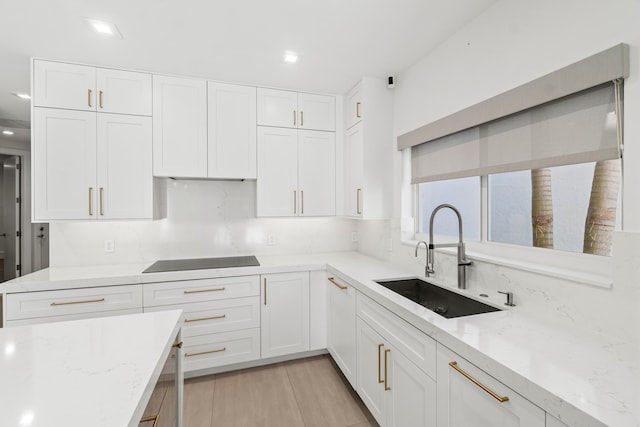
10 217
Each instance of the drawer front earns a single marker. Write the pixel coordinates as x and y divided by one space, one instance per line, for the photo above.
212 317
186 291
410 341
80 316
208 351
73 301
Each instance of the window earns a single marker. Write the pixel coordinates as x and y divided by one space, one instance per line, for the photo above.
564 192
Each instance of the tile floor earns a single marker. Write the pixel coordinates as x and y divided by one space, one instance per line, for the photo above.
302 393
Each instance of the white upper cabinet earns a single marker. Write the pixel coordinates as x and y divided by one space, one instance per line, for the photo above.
232 131
86 88
64 164
179 127
317 173
353 106
317 112
369 151
282 108
123 92
124 176
60 85
296 172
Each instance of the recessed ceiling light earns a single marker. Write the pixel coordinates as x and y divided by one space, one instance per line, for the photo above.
290 57
8 132
104 28
21 95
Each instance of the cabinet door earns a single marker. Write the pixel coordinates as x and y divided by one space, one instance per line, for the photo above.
285 314
277 108
354 171
125 181
341 326
64 164
462 403
412 398
371 372
232 131
124 92
317 173
353 106
179 127
317 112
277 189
60 85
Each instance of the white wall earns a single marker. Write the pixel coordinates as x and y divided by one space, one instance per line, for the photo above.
204 219
513 42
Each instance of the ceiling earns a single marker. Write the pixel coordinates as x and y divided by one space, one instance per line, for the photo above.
235 40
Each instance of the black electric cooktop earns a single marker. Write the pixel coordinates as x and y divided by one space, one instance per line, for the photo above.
202 263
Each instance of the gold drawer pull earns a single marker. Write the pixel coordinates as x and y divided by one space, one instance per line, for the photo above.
205 352
358 193
89 97
100 93
333 280
380 380
204 290
493 394
386 387
177 345
357 109
205 318
53 304
153 418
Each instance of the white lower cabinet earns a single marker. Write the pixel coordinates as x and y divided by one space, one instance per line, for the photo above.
341 326
213 350
463 402
395 390
285 314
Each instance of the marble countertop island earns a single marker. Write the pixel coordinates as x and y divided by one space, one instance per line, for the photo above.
99 372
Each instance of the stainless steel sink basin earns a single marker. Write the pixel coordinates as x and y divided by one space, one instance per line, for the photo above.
439 300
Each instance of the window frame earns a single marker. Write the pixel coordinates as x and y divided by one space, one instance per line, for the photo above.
594 270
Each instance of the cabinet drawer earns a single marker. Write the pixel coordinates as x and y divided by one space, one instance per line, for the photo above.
73 301
208 351
68 317
410 341
211 317
187 291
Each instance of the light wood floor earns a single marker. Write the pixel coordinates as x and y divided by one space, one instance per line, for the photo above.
301 393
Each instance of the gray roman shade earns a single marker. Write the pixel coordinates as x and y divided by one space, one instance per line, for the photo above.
579 127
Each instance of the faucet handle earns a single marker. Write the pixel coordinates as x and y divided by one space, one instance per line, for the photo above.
509 298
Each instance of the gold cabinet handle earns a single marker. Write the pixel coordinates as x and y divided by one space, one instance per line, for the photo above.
54 304
333 280
301 118
100 99
177 345
358 110
200 319
153 418
386 387
493 394
358 196
90 201
294 117
89 97
204 290
380 380
295 202
101 209
264 281
205 352
301 202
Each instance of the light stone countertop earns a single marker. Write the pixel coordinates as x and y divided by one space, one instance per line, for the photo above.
584 379
98 372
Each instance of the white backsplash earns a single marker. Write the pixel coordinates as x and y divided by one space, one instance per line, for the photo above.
204 219
614 312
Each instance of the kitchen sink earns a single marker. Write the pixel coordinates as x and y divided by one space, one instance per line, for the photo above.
439 300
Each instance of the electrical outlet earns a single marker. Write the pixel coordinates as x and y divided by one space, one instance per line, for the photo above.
109 246
271 240
354 236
